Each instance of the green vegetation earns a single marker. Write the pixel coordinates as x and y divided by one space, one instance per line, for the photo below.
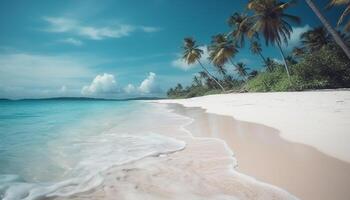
321 61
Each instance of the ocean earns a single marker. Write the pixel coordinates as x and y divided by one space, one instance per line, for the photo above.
58 148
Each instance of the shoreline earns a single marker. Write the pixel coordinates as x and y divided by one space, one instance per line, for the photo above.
203 170
320 119
300 169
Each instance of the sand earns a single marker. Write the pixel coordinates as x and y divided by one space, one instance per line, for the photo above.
320 119
203 170
261 152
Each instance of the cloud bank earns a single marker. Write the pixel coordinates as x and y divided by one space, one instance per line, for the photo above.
106 85
102 84
77 28
147 86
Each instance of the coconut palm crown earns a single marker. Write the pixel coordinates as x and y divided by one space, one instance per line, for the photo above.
255 48
221 50
315 39
271 21
241 70
240 25
192 53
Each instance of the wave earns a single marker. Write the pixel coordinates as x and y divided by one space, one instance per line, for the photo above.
94 155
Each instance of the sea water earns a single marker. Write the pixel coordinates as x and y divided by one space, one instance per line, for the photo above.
60 147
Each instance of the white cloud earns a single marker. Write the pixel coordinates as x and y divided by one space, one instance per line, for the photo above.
147 86
180 63
130 89
66 25
279 61
149 29
72 41
295 36
101 84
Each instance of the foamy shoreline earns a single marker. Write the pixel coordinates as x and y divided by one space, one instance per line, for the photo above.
204 169
320 119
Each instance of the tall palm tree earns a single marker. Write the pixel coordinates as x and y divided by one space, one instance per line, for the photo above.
192 54
315 39
271 21
240 25
241 70
255 48
329 28
221 70
345 12
221 50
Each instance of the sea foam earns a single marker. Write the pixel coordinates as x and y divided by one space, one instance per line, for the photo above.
94 155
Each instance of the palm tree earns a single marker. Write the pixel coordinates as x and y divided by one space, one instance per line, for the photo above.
240 25
270 64
221 50
345 12
298 52
271 21
193 54
241 70
329 28
253 74
221 70
255 48
290 60
315 39
197 81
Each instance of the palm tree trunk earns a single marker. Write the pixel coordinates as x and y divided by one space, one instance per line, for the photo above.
284 61
262 57
329 28
211 76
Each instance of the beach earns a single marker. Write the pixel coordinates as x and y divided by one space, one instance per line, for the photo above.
211 147
118 150
296 141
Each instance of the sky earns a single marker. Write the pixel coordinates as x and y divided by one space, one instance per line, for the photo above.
115 49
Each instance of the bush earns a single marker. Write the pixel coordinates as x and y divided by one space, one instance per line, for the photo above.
326 68
275 81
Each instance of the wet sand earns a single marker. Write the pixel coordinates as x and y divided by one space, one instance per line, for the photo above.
262 153
203 170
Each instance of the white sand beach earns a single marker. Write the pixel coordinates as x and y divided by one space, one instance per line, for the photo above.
297 141
320 119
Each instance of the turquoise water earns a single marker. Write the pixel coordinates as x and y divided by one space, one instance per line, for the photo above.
61 147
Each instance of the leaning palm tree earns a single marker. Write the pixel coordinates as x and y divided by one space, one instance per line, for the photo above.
255 48
329 28
345 13
241 70
271 21
221 50
240 25
314 39
192 54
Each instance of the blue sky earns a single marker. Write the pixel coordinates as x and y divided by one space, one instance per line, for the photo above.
113 48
